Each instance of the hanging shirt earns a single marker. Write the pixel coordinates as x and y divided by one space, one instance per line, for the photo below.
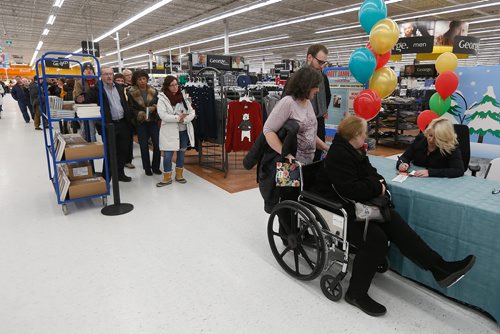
244 125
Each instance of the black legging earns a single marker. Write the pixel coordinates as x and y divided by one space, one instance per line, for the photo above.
371 253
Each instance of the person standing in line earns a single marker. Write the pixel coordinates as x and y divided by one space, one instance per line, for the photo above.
26 92
142 100
119 79
2 94
83 87
18 95
35 101
116 112
127 77
177 131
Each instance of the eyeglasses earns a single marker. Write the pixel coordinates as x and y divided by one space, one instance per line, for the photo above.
321 62
103 74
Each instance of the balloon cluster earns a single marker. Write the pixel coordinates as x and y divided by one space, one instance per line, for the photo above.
446 85
367 64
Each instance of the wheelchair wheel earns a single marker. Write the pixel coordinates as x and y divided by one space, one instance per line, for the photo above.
331 288
296 240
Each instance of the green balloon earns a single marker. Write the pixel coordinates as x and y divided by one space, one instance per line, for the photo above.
438 105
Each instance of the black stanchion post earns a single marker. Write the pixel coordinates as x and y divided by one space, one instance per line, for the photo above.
117 208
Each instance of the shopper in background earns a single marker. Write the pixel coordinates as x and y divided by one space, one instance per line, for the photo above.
69 87
119 79
18 95
2 94
26 92
177 131
347 172
127 77
35 101
116 112
436 150
142 100
84 87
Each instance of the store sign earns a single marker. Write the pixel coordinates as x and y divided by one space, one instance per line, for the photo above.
420 70
466 45
414 45
91 48
63 63
219 62
340 76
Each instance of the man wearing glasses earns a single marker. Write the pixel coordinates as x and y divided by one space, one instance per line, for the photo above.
317 55
115 111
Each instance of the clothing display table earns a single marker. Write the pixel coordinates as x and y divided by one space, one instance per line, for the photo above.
456 217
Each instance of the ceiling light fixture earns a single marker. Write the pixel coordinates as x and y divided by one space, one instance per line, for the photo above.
484 21
482 31
453 10
58 3
233 12
39 46
51 19
255 41
33 58
45 32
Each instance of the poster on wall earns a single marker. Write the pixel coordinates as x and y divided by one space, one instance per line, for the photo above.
446 31
199 60
238 63
480 87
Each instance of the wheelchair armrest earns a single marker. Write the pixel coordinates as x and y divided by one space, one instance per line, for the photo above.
317 199
474 168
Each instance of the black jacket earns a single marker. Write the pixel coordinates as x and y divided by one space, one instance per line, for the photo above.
350 172
438 165
262 155
93 97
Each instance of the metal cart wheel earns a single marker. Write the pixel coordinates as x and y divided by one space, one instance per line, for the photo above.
65 209
290 223
331 288
104 201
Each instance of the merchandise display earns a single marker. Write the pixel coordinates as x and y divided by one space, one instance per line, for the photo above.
353 145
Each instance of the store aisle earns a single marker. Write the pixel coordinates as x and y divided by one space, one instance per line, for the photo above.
189 259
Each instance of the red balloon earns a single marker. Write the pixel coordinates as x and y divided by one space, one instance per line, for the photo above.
367 104
446 84
381 59
425 118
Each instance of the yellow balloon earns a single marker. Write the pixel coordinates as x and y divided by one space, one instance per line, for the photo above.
384 35
446 62
383 82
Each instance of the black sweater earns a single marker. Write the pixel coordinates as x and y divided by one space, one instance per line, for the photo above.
350 172
438 165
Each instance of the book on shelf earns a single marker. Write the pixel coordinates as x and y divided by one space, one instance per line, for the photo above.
64 183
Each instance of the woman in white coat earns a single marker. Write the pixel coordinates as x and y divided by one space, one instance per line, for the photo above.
176 131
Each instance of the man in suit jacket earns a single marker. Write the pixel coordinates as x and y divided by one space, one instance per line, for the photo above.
116 112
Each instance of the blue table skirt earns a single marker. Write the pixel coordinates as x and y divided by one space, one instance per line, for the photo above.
456 217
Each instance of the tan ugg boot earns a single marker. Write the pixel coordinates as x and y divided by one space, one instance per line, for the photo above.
167 179
178 175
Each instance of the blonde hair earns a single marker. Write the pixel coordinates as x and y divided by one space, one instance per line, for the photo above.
444 135
351 127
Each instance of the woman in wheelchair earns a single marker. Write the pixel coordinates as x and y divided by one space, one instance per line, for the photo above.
347 172
436 150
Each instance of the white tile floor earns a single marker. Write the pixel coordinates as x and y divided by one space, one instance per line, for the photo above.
189 259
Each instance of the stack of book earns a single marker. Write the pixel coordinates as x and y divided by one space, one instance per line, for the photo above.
89 110
64 183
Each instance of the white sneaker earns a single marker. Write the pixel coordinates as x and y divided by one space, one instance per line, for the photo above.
130 165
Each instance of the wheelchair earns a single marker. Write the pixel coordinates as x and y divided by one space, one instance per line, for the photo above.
308 237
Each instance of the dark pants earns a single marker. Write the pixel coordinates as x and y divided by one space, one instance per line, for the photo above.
24 110
371 253
130 155
321 133
122 137
286 219
145 131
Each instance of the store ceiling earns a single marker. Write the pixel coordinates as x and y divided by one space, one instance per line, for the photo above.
23 21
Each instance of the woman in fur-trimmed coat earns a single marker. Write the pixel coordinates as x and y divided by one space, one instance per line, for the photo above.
142 99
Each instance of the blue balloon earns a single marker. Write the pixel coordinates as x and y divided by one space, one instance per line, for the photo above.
371 12
362 64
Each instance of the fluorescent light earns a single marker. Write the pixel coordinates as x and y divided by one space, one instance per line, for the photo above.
482 31
33 58
51 19
453 10
484 21
137 62
255 41
45 32
133 19
207 40
39 46
58 3
224 15
338 29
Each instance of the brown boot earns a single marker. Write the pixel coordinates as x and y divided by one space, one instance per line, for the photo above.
167 179
178 175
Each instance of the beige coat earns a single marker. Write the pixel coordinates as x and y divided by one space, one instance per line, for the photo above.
169 131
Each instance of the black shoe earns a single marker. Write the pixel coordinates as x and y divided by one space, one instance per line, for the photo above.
157 172
124 178
148 172
367 305
448 273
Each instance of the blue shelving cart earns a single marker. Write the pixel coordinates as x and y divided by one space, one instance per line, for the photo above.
50 150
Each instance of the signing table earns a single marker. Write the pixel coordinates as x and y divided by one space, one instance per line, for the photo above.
456 217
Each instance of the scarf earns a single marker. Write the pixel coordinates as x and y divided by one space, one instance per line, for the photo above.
91 82
175 97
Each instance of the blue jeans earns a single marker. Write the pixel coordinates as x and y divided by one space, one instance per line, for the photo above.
167 155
